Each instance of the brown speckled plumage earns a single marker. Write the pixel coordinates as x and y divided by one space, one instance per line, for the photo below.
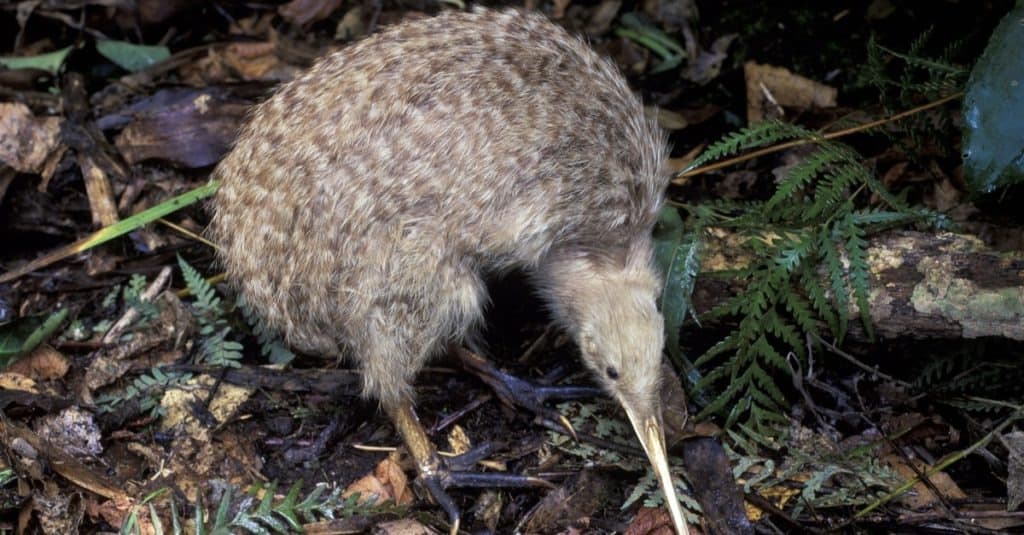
365 199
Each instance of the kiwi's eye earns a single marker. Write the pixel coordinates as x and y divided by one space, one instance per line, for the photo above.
612 372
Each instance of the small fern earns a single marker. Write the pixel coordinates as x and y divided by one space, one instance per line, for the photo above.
970 376
147 388
758 135
826 474
904 79
216 348
148 310
271 345
649 489
220 352
258 512
818 219
590 418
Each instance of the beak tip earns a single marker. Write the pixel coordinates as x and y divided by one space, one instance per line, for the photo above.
651 436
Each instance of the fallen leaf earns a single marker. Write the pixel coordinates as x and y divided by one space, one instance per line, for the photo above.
387 483
650 521
26 141
921 495
770 88
405 526
304 12
43 363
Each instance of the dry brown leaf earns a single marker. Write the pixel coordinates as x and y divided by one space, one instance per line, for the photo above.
602 16
650 521
303 12
370 489
405 526
26 141
42 364
351 26
115 510
574 502
190 128
257 62
769 88
387 483
921 496
673 406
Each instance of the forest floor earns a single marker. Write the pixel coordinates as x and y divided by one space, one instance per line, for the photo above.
138 398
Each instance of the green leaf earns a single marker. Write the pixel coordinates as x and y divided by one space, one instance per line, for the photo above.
677 254
19 337
221 516
287 507
49 62
993 129
199 520
670 52
132 57
154 519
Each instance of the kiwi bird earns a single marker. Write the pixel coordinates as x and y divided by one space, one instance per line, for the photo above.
365 201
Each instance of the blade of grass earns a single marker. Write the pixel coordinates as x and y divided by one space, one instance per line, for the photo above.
118 229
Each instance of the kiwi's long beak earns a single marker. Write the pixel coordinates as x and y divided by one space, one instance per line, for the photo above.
652 437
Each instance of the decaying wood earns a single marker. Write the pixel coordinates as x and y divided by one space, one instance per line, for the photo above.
99 162
921 285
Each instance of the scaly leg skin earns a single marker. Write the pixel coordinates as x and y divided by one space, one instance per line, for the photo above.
522 393
435 473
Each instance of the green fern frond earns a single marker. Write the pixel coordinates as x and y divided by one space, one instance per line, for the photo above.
269 514
215 348
837 279
809 282
784 331
811 222
756 135
731 395
146 388
271 345
856 251
940 67
809 241
207 303
218 351
800 176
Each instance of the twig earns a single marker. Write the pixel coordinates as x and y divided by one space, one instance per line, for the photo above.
853 360
686 173
132 313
